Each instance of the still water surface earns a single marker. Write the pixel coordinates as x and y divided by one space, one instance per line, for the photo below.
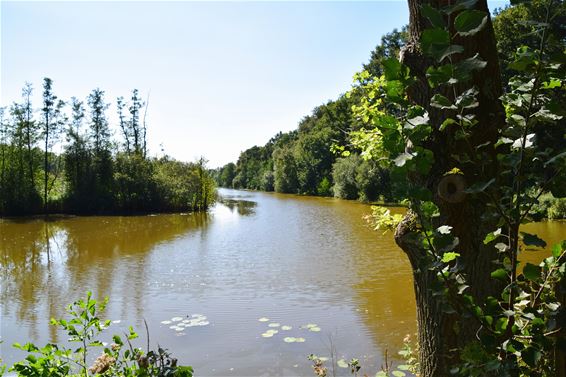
295 260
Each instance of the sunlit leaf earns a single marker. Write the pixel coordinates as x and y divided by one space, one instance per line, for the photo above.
449 257
500 274
342 363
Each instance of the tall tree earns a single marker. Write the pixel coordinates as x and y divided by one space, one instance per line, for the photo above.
99 131
441 334
136 130
51 122
30 129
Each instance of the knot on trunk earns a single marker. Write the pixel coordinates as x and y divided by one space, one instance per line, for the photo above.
451 188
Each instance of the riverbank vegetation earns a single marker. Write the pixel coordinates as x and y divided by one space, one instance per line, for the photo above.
63 159
310 159
92 356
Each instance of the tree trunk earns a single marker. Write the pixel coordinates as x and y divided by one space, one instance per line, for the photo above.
441 335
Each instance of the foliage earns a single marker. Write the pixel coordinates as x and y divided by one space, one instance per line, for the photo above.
520 330
85 328
91 175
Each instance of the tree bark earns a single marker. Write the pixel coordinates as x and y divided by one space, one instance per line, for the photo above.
441 335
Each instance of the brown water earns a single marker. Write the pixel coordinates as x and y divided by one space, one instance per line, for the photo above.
295 260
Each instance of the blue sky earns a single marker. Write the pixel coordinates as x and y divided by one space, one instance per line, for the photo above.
222 76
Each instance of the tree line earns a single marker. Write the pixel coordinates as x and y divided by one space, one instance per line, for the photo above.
63 158
319 158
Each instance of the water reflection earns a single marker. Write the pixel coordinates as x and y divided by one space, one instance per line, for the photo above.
46 263
240 206
293 259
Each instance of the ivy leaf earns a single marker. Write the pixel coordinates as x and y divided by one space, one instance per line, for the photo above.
531 272
460 5
479 187
500 274
554 159
558 248
532 240
439 75
416 121
449 256
435 41
392 69
531 356
546 115
470 22
529 142
492 236
402 159
441 102
451 50
444 229
471 64
434 16
447 123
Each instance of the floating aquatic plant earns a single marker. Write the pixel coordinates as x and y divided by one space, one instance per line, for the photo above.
263 319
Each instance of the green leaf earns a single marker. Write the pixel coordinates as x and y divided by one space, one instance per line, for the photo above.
451 50
532 240
492 236
531 272
402 159
552 83
398 373
531 356
416 121
449 257
447 123
434 16
471 64
460 5
500 274
435 41
554 159
391 68
441 102
470 22
558 248
479 187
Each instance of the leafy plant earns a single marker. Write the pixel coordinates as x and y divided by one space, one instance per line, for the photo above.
85 327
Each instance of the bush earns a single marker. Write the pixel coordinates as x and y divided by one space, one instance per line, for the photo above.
84 327
557 210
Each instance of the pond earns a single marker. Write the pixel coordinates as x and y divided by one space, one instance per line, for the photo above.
293 260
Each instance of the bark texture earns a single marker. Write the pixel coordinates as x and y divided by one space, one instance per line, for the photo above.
442 336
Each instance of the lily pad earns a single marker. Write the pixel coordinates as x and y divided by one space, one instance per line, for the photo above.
289 339
267 334
176 319
167 322
263 319
286 328
272 331
314 329
342 363
275 324
179 329
173 327
300 340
